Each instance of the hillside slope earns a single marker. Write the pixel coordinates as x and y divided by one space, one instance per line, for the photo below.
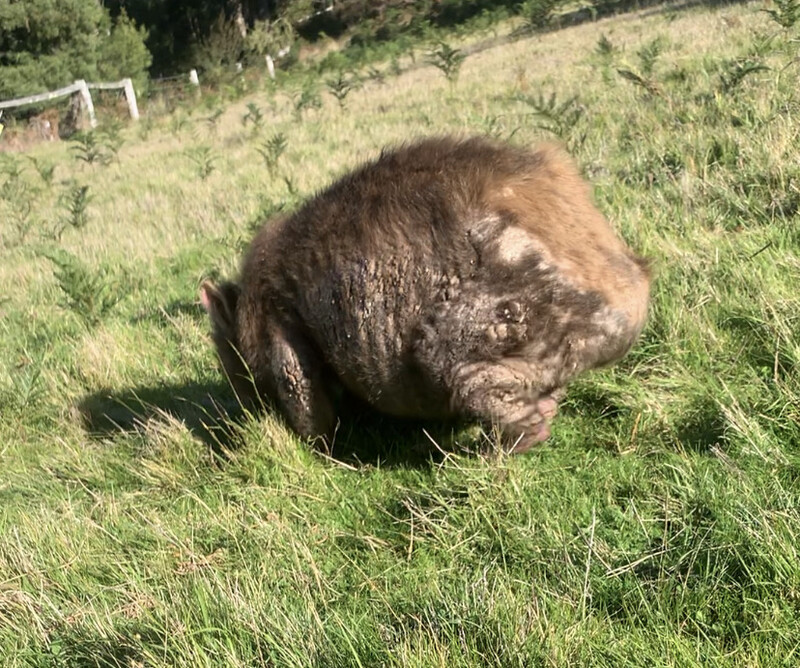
140 525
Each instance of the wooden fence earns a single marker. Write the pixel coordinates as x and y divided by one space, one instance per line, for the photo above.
81 87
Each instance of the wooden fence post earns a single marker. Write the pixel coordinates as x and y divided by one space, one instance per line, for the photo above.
130 96
83 89
270 66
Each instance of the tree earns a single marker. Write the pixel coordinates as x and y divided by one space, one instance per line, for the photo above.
125 53
179 30
269 37
47 44
176 28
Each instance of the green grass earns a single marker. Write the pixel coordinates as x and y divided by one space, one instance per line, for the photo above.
145 522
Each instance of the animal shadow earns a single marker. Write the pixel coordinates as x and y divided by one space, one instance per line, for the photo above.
212 413
209 410
175 308
366 437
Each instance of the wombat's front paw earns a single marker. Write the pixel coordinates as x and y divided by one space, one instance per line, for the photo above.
522 442
547 406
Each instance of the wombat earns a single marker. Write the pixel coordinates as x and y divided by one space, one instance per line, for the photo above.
449 278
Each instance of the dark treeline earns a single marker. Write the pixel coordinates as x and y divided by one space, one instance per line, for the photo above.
178 29
47 44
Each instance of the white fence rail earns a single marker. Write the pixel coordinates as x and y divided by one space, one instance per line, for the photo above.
83 88
80 86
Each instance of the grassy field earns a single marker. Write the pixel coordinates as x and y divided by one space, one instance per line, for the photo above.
143 522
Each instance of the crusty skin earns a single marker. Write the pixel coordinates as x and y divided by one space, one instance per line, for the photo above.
448 278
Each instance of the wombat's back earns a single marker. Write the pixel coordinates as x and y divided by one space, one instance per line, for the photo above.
438 274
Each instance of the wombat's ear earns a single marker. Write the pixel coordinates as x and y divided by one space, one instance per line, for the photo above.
220 303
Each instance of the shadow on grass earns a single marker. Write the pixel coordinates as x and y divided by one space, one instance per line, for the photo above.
84 648
368 437
211 412
175 308
703 427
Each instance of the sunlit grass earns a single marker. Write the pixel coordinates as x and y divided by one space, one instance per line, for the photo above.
145 521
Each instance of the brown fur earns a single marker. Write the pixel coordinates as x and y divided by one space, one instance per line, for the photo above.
447 278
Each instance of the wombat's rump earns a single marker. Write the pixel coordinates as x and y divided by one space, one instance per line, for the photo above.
447 278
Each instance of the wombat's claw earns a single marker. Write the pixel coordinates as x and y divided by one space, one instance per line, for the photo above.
524 442
547 406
